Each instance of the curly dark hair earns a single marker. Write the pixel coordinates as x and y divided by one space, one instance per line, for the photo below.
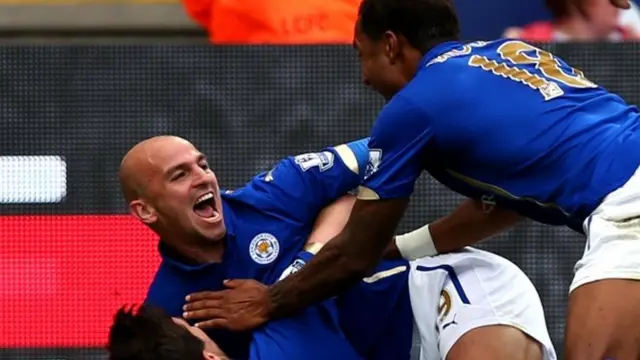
424 23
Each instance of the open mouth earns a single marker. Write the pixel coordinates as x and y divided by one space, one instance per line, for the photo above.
205 206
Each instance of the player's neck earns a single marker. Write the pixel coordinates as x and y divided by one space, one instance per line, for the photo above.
414 55
411 59
429 45
196 252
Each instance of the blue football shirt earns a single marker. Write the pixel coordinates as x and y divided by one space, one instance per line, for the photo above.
509 122
268 222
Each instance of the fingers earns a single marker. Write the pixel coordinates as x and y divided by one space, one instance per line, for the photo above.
203 314
205 305
213 324
205 295
202 304
207 308
218 309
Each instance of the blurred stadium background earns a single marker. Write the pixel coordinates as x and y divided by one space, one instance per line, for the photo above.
82 81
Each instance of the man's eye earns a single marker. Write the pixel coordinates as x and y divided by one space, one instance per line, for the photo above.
177 176
204 166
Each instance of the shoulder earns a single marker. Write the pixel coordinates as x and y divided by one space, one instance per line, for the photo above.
257 203
298 187
439 89
402 115
245 196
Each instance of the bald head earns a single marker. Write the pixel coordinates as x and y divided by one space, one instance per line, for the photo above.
146 160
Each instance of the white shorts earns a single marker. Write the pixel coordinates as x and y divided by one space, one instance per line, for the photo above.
612 250
452 294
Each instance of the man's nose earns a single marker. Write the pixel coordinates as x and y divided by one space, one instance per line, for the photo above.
202 176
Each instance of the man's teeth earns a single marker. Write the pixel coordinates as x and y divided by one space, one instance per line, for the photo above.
204 197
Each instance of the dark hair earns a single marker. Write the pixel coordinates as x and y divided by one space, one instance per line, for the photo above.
563 8
150 334
424 23
558 8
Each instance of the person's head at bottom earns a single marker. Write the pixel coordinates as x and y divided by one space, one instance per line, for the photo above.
148 333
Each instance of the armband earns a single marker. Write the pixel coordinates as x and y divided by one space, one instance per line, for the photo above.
416 244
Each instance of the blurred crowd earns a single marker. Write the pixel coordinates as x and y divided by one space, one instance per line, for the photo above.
311 21
583 20
332 21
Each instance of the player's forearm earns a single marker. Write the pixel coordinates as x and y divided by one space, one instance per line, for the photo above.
329 273
332 220
469 224
466 225
345 260
392 251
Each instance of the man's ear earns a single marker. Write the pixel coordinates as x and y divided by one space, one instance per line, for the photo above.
392 46
143 211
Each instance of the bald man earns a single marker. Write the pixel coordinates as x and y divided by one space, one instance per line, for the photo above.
169 187
256 232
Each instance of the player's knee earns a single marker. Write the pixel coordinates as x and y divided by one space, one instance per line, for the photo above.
496 342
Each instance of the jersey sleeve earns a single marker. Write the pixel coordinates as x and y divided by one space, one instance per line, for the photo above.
304 184
396 150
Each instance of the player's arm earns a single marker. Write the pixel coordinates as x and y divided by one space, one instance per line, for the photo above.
400 140
467 225
378 301
331 221
303 185
396 148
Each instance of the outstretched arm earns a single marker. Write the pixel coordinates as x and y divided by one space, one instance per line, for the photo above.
466 225
368 233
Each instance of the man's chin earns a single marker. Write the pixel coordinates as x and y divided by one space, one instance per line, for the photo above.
214 234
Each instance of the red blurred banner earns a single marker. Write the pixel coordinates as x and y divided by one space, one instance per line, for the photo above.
62 278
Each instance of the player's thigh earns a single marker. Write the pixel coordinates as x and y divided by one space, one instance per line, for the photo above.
496 342
604 299
604 321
